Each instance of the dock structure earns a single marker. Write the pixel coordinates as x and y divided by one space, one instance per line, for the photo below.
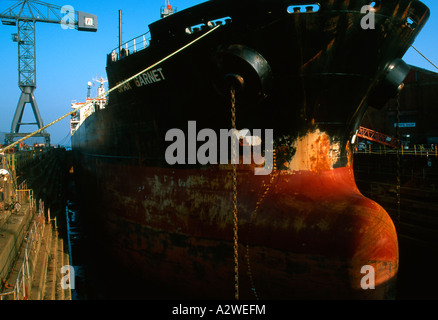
415 217
32 252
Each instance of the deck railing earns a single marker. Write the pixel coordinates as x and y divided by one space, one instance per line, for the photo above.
129 47
416 150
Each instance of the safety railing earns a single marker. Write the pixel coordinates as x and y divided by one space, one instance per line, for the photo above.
8 162
50 220
416 150
129 47
22 285
24 195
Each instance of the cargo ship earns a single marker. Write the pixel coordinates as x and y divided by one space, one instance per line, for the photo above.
179 211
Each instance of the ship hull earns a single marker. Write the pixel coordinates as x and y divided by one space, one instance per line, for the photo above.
304 229
173 228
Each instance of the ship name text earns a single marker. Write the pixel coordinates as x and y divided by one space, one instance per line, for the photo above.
150 77
144 79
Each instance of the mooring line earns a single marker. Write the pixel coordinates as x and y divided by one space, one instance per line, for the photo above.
109 91
424 56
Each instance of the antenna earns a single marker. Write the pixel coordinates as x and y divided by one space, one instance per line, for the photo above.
101 88
89 90
120 30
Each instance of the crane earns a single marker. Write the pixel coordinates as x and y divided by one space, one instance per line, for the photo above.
378 137
24 15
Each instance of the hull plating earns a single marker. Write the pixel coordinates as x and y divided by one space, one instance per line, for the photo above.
305 231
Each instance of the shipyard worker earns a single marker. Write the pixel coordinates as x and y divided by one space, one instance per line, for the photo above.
3 177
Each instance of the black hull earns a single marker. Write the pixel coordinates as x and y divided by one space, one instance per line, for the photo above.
307 76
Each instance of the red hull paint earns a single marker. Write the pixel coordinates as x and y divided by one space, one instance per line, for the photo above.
310 236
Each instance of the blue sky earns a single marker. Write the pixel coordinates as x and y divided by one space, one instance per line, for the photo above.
68 59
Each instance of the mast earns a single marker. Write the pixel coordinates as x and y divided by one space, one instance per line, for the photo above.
120 30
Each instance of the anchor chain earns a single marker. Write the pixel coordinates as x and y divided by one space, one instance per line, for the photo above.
235 216
399 145
235 209
253 217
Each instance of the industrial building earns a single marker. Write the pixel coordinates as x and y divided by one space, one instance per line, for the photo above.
418 111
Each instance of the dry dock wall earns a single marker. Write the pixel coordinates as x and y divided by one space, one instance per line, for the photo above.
31 257
11 237
32 252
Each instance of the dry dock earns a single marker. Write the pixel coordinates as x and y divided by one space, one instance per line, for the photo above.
32 252
416 218
33 247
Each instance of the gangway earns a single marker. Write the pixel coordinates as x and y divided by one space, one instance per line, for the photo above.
378 137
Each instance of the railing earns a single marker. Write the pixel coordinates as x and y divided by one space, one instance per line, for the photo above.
8 162
416 150
137 44
142 42
22 284
24 195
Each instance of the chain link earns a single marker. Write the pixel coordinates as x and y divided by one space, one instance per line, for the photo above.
235 216
253 217
235 209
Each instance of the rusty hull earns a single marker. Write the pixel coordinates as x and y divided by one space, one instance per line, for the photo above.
305 230
302 234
